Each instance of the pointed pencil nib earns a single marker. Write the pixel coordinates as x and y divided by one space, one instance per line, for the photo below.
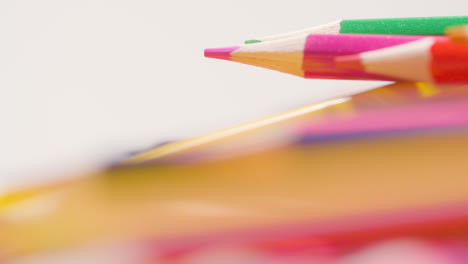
220 53
350 62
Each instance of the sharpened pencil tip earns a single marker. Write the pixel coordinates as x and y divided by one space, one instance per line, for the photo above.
349 62
220 53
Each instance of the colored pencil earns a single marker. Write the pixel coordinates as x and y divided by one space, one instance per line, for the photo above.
439 225
389 121
457 33
311 56
262 134
302 182
429 60
444 228
294 182
393 26
277 130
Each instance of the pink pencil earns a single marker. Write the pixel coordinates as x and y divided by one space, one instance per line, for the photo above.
437 115
311 56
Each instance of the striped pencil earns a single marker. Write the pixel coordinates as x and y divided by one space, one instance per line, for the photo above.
458 33
392 26
311 56
429 60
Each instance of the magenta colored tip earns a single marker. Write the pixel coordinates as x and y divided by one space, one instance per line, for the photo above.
220 53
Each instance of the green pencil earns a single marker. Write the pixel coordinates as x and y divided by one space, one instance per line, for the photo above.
393 26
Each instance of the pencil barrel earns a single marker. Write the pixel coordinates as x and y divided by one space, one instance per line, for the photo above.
449 62
402 26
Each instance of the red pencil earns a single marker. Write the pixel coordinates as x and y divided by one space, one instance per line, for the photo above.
429 60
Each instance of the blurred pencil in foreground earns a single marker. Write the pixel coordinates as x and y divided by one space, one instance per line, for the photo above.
426 60
296 183
458 33
312 56
438 234
392 26
260 135
338 162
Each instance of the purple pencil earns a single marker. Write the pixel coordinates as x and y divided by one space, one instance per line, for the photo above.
311 56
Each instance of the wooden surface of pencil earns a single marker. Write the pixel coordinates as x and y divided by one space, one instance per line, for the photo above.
458 33
165 152
311 56
276 130
394 26
429 60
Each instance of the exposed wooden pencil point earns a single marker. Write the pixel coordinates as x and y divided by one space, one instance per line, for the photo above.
429 59
349 62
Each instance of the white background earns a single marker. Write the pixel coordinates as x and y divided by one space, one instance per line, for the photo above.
84 82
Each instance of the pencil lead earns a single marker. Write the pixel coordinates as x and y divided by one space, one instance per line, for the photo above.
250 41
349 62
220 53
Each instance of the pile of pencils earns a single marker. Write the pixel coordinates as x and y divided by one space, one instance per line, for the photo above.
376 177
392 49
